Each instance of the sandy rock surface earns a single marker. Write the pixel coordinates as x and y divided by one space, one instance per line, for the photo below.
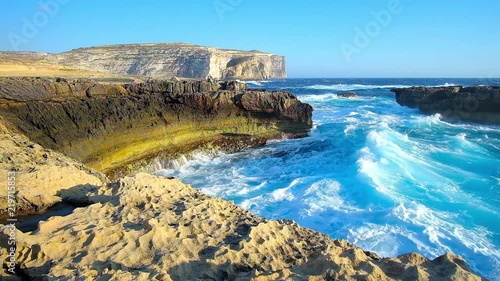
43 177
153 228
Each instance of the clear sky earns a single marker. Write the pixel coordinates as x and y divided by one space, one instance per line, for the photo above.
320 38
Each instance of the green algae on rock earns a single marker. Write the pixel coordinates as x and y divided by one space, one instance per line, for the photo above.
113 127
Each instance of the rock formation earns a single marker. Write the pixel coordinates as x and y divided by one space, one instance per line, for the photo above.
43 177
478 104
175 59
111 127
145 227
152 228
347 95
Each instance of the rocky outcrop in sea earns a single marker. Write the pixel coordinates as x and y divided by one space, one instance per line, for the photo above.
477 103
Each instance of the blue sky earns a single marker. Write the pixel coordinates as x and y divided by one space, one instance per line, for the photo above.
320 38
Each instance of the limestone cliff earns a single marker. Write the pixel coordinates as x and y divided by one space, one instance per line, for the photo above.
175 59
145 227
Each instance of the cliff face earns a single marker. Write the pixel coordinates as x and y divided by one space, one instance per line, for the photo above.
477 104
181 60
111 128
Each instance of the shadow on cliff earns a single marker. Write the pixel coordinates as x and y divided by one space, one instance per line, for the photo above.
78 195
72 198
23 273
204 269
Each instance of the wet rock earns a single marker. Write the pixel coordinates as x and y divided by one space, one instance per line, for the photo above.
478 104
347 95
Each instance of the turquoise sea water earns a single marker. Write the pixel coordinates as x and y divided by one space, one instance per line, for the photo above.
387 178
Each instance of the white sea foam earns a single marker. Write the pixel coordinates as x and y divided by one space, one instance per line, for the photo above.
461 136
351 120
349 128
423 230
430 120
281 194
319 98
323 195
255 83
378 238
440 231
198 157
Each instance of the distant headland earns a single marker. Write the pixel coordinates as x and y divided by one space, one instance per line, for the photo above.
161 60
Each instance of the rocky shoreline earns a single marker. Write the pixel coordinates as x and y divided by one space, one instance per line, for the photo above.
144 227
118 128
477 104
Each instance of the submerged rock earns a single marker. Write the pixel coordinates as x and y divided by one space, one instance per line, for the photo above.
347 95
477 104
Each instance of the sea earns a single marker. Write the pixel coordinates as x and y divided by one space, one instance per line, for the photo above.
387 178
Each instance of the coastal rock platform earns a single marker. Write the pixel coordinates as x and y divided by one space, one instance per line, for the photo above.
152 228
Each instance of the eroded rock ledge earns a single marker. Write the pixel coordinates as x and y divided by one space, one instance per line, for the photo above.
477 104
152 228
121 127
